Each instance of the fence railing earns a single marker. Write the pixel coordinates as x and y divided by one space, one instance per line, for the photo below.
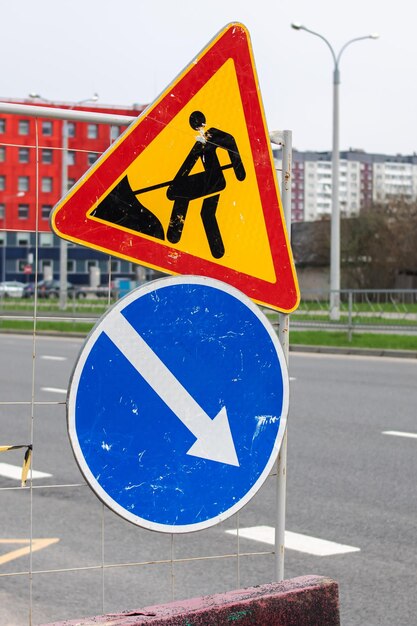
32 419
375 310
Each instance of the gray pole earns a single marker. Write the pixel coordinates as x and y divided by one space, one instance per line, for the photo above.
335 219
335 216
63 247
283 138
3 271
284 337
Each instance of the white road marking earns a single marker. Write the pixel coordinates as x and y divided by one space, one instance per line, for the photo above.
54 389
292 378
295 541
14 471
399 433
48 357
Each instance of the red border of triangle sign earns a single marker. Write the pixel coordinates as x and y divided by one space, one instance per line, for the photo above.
71 221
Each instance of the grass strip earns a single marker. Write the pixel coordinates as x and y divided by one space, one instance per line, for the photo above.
56 327
359 340
304 337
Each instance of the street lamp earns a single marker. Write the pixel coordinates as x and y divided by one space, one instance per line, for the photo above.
335 217
63 245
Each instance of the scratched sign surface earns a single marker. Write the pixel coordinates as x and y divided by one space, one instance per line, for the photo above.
178 403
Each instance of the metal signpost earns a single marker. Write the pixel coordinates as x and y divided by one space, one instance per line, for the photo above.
178 404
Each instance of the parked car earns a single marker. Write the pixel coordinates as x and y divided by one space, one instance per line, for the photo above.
101 291
11 289
48 289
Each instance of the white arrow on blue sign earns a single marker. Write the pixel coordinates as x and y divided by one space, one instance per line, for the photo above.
178 403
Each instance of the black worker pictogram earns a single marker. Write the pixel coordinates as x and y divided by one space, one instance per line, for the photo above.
122 206
206 184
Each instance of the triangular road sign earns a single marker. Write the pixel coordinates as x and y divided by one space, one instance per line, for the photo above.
190 187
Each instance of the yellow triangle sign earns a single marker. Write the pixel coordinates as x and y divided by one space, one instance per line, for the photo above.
190 187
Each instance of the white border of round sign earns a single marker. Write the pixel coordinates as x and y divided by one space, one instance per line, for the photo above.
78 369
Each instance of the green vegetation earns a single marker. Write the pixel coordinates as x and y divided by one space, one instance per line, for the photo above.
377 308
44 307
314 312
370 320
359 340
50 326
305 337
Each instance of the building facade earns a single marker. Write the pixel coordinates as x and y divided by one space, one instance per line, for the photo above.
364 179
34 174
33 169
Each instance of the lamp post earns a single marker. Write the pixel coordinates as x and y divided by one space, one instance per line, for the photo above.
335 216
63 245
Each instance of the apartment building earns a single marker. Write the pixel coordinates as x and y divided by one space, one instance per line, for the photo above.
364 179
32 171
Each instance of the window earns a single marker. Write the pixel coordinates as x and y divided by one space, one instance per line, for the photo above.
46 264
71 157
23 155
2 126
23 127
47 128
114 132
115 266
47 155
2 183
71 182
92 131
46 184
23 183
70 129
22 240
89 264
23 211
46 240
3 239
46 211
2 154
71 266
91 157
2 211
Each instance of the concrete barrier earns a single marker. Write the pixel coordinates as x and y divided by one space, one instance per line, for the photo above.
303 601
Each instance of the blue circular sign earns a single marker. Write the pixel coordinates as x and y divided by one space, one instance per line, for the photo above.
178 403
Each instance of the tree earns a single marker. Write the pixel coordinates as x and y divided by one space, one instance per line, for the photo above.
379 244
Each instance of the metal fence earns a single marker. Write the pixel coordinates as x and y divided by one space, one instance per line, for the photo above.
361 310
23 420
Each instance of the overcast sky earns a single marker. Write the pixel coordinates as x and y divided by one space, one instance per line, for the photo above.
130 50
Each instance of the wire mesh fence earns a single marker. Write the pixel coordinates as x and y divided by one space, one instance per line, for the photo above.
361 310
63 554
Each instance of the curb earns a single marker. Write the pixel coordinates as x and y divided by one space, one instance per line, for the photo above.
302 601
399 354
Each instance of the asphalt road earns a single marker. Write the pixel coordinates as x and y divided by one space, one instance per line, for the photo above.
348 483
